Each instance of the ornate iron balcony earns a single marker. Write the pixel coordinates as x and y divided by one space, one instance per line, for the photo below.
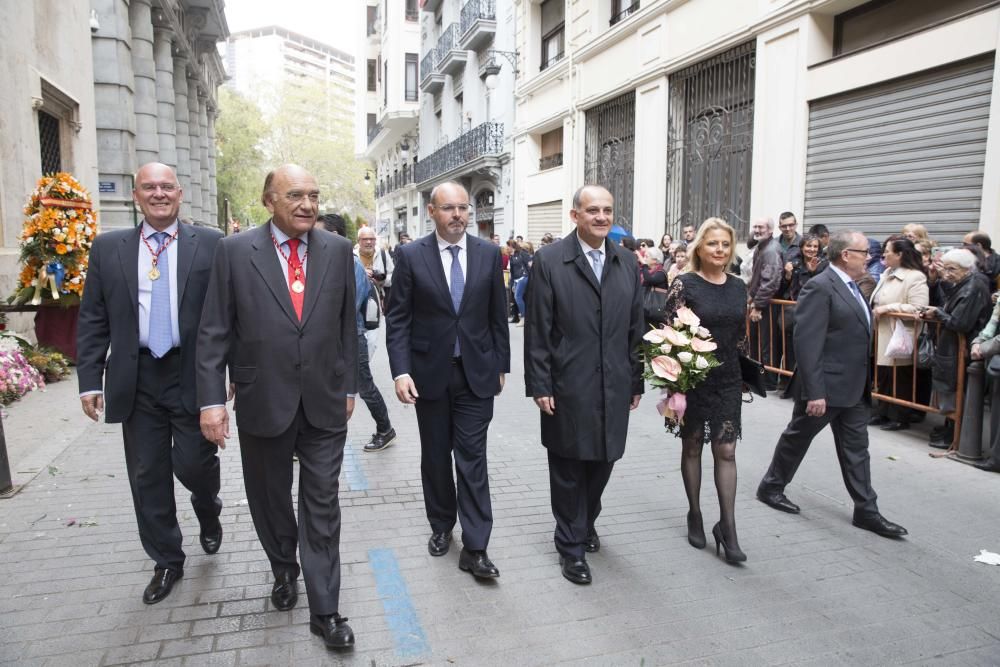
550 161
428 64
625 13
372 133
481 141
475 10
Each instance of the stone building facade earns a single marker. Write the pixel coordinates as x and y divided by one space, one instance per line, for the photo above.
156 70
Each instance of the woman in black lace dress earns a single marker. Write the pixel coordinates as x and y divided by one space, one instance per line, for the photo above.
719 299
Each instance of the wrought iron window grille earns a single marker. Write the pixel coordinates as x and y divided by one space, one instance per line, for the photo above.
625 13
550 161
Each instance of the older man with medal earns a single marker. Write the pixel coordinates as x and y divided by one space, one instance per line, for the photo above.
143 299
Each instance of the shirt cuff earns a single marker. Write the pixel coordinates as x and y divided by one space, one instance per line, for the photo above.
90 393
209 407
402 375
352 396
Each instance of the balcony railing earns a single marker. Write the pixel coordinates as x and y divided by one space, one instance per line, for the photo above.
390 184
475 10
428 64
625 13
550 161
481 141
372 133
448 41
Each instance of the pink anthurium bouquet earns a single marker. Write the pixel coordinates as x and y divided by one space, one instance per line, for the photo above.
678 357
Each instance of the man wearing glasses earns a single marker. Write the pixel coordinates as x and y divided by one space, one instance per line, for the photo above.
832 384
789 239
449 348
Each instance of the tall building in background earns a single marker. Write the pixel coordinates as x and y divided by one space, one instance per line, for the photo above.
388 106
155 75
468 68
263 60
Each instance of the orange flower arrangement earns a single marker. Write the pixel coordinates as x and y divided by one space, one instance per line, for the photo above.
59 229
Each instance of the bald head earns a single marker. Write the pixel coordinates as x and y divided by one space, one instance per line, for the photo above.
292 197
589 191
158 194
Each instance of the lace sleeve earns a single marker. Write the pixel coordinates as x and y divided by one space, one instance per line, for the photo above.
675 300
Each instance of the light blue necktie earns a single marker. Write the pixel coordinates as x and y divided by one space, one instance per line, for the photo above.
857 295
161 336
457 286
597 262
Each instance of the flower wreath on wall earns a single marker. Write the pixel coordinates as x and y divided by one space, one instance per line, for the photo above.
59 229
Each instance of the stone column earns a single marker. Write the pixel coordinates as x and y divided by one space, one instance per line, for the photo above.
182 135
206 196
115 118
213 190
166 127
194 131
147 143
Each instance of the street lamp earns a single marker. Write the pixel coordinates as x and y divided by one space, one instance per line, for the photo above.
492 69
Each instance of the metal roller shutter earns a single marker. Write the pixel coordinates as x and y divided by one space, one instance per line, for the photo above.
908 151
545 218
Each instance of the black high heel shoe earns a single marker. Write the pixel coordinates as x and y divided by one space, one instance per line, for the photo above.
696 531
733 555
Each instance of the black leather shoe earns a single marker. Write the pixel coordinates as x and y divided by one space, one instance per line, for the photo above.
334 630
211 537
878 420
879 525
575 570
778 501
988 466
696 531
939 444
478 563
160 585
732 554
438 544
285 592
895 426
592 543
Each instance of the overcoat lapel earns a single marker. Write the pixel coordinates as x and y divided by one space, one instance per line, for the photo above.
267 265
187 248
128 257
316 269
573 253
845 293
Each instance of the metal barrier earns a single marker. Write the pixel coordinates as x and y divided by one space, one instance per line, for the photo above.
776 361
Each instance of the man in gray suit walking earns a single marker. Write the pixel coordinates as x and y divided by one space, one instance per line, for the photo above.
832 384
280 313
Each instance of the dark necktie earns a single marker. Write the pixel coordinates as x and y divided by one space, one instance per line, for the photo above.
295 273
161 335
457 286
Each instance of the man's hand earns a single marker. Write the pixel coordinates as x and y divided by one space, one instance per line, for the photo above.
406 391
928 313
755 314
635 401
350 407
502 378
546 404
816 408
977 351
93 405
215 425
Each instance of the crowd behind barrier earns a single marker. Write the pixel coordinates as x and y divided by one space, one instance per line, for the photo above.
770 352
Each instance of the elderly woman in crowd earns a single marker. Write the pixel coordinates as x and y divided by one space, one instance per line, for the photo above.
902 288
654 277
962 306
984 347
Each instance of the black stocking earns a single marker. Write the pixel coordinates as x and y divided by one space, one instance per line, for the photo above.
725 485
691 470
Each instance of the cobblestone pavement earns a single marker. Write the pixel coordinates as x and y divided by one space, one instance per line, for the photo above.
815 589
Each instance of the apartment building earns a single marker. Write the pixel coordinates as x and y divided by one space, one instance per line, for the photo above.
867 115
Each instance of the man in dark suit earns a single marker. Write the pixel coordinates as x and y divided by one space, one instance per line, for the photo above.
582 367
449 348
832 384
143 299
280 314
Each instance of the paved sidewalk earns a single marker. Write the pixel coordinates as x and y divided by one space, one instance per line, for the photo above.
815 589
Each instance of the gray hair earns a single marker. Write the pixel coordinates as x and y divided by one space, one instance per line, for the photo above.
655 254
839 242
434 191
961 257
578 195
765 221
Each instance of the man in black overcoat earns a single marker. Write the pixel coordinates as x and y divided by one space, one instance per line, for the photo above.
582 367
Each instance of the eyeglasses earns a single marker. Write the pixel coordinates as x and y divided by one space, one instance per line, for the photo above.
167 188
863 252
295 197
451 208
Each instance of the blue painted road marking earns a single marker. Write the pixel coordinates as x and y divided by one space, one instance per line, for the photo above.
354 473
400 615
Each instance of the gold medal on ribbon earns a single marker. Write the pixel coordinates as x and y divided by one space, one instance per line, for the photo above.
298 287
154 273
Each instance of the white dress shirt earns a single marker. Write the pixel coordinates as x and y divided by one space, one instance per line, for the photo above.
446 256
585 247
282 238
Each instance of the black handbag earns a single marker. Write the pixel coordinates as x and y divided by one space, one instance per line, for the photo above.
753 375
653 303
926 348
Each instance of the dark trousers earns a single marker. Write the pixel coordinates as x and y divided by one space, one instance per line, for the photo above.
456 424
903 389
765 344
850 437
267 473
163 440
576 488
368 391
